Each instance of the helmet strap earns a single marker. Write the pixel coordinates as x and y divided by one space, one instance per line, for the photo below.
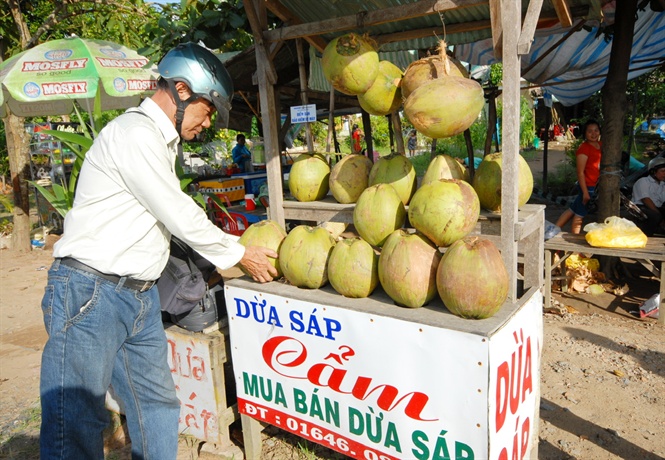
180 106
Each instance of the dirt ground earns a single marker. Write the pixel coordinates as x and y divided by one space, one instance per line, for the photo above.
602 385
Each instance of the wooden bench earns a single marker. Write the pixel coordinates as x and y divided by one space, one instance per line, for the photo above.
570 243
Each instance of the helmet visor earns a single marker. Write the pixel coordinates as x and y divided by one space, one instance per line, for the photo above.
223 107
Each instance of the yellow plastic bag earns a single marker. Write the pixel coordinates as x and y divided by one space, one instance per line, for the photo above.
576 261
615 232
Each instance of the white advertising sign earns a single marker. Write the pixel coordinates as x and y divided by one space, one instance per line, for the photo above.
191 368
515 382
368 386
303 113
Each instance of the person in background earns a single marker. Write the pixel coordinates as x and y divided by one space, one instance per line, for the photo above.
588 171
412 143
101 310
241 154
356 138
649 196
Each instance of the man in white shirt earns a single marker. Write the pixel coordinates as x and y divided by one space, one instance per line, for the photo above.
649 195
101 310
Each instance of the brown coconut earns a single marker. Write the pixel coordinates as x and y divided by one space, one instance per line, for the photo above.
308 178
350 63
378 212
444 167
349 177
304 255
431 68
407 268
265 233
488 178
398 171
445 210
384 96
444 107
472 279
353 268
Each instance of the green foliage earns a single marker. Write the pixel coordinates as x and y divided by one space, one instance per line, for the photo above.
650 101
6 202
61 196
120 21
219 24
496 74
527 123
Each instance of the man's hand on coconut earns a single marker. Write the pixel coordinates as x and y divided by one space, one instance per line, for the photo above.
256 263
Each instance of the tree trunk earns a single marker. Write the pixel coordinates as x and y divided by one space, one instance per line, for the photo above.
614 113
18 149
614 110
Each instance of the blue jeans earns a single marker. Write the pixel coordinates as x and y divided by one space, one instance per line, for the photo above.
101 333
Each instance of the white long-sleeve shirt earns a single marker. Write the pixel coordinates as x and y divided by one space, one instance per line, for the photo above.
128 203
648 187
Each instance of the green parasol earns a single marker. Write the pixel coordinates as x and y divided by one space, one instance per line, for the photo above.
46 79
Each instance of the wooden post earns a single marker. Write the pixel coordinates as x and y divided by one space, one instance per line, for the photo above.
396 124
367 129
302 74
491 120
510 22
331 120
469 152
256 15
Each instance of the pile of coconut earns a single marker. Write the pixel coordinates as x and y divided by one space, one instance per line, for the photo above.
437 253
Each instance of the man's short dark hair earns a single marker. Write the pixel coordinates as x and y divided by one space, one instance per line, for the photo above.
240 136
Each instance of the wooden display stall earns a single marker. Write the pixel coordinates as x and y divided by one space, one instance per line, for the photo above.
363 376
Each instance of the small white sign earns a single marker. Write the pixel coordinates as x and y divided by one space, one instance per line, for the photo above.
303 113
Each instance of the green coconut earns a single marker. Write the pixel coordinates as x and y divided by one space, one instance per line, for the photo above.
487 182
444 107
353 268
304 255
265 233
384 96
444 167
308 178
431 68
407 268
378 212
350 63
349 177
398 171
445 210
472 279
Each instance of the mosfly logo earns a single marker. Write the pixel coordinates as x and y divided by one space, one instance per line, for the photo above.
120 85
122 63
74 87
142 85
31 89
44 66
58 55
110 52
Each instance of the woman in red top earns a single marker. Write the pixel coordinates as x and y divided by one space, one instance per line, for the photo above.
588 171
357 136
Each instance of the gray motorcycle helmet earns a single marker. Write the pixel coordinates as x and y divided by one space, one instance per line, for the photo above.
204 74
656 163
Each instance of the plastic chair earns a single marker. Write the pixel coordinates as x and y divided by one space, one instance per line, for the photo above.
233 222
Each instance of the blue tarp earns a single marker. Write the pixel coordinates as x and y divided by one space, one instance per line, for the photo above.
582 55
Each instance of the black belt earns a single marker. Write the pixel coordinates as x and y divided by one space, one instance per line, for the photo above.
131 283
